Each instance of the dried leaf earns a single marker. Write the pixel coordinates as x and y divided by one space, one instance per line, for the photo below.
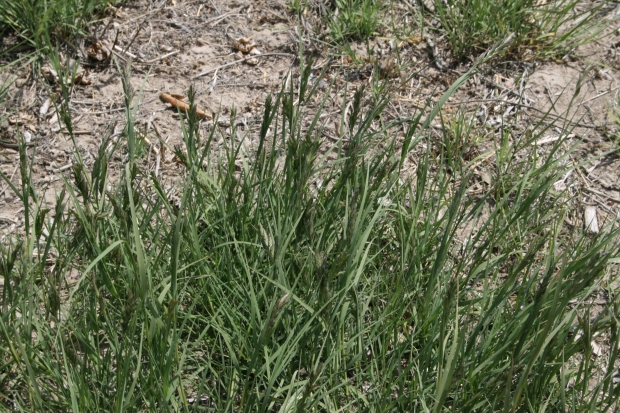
387 68
485 176
243 44
21 119
429 5
590 220
99 51
49 74
82 78
117 12
45 107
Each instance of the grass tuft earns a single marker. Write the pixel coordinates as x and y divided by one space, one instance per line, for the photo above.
41 24
542 29
285 282
354 19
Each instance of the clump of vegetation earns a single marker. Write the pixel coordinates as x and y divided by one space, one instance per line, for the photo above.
354 19
41 23
542 29
286 278
284 282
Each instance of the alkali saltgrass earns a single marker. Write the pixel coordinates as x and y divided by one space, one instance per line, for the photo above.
281 281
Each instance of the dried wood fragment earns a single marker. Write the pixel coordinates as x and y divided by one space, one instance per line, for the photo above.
182 106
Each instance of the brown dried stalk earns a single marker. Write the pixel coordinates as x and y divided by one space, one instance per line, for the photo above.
182 106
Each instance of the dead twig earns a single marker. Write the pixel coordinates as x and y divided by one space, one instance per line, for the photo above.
162 57
124 51
241 61
598 96
14 146
214 20
602 194
182 106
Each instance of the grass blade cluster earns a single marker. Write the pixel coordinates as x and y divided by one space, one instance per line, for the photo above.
543 29
291 281
41 23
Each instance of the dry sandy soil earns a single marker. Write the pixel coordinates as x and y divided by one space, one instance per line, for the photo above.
170 43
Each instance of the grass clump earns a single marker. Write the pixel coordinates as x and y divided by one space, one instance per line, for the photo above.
354 19
283 281
542 29
41 23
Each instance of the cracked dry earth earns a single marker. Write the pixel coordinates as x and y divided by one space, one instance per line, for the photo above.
237 52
